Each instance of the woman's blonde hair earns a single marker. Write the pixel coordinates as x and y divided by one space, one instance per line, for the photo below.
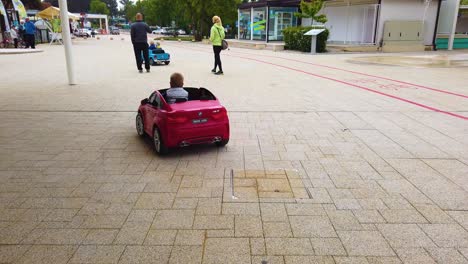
216 20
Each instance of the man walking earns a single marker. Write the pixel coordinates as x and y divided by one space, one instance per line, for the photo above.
30 34
138 33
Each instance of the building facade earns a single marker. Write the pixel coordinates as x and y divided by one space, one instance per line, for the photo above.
349 21
265 20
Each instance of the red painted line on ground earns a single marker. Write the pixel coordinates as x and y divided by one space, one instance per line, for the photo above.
364 74
349 84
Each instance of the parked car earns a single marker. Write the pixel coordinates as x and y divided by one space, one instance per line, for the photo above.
181 32
158 56
114 31
171 32
198 120
85 32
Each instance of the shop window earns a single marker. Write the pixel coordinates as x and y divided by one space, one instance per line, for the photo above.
279 19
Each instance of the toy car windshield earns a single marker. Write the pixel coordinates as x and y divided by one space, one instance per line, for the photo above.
194 94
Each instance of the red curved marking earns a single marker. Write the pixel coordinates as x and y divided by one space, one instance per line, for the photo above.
364 74
351 84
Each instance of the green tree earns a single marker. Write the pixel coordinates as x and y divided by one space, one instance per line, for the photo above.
112 6
32 4
98 7
310 10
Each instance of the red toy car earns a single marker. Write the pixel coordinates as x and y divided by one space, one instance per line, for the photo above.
201 119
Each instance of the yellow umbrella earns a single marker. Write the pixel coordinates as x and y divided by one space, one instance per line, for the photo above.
53 12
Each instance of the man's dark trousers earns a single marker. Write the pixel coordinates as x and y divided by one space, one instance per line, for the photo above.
30 41
141 48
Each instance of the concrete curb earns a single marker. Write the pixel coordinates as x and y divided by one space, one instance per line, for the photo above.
19 51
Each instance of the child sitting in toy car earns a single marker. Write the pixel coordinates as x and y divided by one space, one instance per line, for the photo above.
176 92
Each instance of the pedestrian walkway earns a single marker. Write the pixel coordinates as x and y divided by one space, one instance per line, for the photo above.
329 161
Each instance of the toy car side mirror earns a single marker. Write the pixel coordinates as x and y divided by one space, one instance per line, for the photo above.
144 101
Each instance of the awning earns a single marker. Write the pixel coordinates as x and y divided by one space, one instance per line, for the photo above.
54 12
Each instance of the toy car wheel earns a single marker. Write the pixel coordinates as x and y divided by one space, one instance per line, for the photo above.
167 62
151 61
140 127
222 143
158 142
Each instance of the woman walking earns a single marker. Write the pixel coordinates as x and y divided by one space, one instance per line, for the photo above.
216 37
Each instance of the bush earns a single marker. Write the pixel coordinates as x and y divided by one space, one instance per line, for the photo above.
171 38
294 39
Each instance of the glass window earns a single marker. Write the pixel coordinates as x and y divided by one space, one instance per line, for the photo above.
279 19
244 24
259 23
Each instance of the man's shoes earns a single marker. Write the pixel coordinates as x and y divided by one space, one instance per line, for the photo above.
147 70
219 73
213 70
140 71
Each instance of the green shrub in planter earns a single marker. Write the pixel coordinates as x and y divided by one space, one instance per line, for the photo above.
294 39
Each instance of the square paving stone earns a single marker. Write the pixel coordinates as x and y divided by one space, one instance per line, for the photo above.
405 235
186 255
10 253
311 226
42 254
133 233
369 216
146 254
214 222
248 226
309 260
365 243
328 247
268 259
241 209
257 246
61 215
160 237
344 220
227 250
97 254
104 221
288 246
447 255
447 235
190 238
155 201
403 216
414 255
277 229
351 260
273 212
100 236
305 209
141 216
62 236
384 260
173 219
209 206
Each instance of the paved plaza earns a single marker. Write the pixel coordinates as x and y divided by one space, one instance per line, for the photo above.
332 159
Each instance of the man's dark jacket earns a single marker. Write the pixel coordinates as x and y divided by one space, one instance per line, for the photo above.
138 32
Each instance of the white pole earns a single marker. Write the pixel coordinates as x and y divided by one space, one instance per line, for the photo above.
67 40
251 23
106 20
454 25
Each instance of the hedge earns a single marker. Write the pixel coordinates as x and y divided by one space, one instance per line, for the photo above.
295 40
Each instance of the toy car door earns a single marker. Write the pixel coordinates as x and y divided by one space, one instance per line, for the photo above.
151 111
